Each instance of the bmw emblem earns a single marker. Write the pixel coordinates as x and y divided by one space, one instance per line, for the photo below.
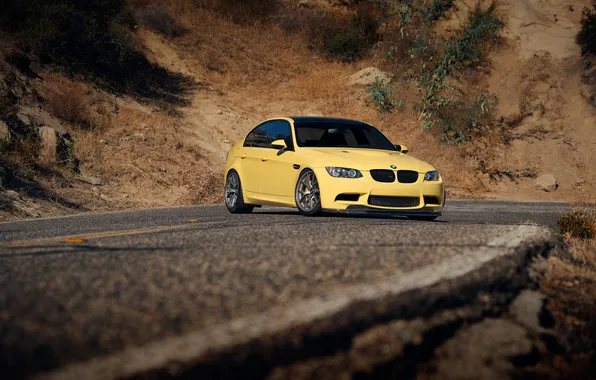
393 167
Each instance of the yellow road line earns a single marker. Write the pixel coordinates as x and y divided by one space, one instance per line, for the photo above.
89 236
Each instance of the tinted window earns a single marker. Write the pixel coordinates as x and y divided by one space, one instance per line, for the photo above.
263 135
340 135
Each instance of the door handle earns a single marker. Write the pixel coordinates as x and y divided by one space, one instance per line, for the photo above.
243 156
264 158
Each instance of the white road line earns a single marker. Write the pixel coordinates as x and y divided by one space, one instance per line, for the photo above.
190 347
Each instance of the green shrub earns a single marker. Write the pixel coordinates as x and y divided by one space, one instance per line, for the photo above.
577 224
381 96
586 38
439 93
483 27
337 37
435 10
346 43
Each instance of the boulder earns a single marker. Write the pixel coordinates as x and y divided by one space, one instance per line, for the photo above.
41 118
4 132
49 142
528 310
546 182
368 76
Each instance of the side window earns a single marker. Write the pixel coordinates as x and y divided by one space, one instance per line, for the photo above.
280 130
266 133
256 136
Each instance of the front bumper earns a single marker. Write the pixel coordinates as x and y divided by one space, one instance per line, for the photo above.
360 189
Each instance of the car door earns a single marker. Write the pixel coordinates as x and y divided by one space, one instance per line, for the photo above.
279 174
253 151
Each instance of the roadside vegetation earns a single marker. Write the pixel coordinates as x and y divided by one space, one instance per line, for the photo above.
586 38
436 65
569 285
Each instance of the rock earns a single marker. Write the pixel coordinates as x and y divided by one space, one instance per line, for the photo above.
49 142
26 207
95 181
41 118
12 195
4 132
527 310
546 182
482 351
314 4
368 76
24 118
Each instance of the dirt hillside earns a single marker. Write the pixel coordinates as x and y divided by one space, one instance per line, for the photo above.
141 154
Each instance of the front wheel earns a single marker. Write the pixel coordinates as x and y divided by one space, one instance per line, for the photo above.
308 194
233 195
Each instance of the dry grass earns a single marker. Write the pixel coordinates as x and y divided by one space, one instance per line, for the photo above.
147 158
78 104
584 251
21 152
569 285
236 54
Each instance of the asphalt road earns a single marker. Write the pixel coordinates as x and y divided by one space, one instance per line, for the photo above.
89 286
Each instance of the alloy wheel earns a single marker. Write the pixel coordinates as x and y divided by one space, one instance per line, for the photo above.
307 192
232 189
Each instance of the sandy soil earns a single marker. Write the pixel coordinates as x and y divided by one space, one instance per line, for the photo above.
539 74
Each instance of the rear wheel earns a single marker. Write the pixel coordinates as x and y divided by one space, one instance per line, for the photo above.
307 194
233 195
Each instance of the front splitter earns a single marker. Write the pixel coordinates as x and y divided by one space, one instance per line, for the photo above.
360 209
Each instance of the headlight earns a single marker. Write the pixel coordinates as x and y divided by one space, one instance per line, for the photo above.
431 176
343 172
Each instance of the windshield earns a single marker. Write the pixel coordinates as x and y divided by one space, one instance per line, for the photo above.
322 134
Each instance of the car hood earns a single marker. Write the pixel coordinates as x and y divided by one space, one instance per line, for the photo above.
363 159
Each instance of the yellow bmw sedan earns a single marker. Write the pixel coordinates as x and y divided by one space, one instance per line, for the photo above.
321 164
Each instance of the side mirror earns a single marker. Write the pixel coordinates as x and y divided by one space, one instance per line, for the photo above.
401 148
279 144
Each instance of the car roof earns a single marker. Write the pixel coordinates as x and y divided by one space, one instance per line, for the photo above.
319 119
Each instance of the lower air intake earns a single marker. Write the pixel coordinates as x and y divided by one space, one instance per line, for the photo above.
382 201
431 200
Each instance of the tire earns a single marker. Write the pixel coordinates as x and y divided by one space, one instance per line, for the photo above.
308 194
233 195
423 218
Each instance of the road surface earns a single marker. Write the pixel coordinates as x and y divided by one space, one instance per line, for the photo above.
116 294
